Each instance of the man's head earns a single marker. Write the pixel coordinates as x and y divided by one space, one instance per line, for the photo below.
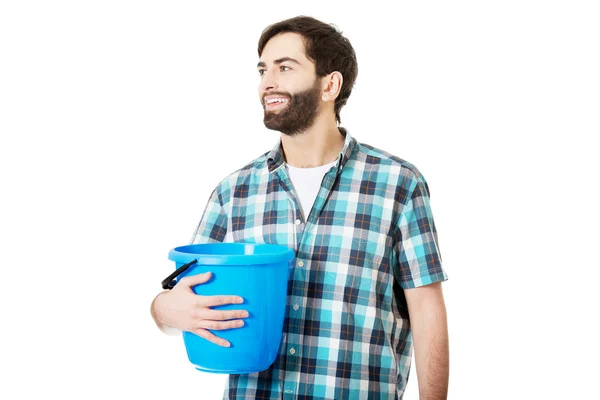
306 67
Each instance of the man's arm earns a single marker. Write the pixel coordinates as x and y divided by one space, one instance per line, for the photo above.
430 336
211 228
169 330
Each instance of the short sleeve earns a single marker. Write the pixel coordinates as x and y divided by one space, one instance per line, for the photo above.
419 261
213 224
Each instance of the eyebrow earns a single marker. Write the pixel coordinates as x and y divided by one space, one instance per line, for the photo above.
278 61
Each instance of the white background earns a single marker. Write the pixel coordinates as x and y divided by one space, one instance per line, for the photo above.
118 118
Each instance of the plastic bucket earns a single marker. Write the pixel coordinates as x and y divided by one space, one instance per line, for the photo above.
258 273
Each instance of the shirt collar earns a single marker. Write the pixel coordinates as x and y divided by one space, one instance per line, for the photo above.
275 156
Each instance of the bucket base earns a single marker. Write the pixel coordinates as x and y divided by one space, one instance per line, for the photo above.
233 371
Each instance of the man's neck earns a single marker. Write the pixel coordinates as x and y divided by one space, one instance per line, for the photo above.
318 146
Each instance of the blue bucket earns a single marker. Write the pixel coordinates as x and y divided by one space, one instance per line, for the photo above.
258 273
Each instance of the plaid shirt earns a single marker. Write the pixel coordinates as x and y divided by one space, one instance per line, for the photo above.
369 235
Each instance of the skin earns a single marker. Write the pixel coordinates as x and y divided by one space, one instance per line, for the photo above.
284 70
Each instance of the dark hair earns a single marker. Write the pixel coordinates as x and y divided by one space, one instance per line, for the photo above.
325 46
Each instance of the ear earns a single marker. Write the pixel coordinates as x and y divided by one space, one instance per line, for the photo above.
332 85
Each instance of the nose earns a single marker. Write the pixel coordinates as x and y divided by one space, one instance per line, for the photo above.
268 82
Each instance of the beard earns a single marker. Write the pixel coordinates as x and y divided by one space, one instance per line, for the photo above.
298 114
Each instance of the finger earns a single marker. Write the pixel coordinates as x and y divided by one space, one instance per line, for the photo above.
222 315
211 301
220 325
203 333
193 280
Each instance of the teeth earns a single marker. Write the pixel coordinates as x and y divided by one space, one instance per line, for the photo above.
271 101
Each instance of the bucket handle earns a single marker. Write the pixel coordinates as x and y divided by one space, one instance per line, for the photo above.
169 282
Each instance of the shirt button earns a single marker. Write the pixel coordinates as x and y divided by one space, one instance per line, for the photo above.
296 307
298 222
301 263
292 351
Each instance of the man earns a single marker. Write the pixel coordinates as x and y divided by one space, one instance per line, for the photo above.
360 222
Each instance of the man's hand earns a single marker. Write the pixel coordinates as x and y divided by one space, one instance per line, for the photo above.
183 309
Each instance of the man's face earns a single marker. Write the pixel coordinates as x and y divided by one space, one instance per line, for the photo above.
289 90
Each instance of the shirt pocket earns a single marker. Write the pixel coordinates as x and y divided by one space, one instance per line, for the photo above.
355 268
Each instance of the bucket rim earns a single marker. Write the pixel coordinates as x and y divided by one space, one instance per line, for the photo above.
243 253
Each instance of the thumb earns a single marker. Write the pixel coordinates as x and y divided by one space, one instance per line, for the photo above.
193 280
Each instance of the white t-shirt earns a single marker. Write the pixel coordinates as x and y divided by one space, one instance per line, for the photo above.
307 183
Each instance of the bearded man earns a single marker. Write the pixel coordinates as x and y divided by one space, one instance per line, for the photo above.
366 285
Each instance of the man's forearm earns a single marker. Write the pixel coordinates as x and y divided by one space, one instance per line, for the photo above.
169 330
430 336
433 377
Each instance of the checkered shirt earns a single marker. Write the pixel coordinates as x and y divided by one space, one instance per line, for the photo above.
369 235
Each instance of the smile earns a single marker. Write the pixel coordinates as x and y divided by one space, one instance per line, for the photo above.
275 102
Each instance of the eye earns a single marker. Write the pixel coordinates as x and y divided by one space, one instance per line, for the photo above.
261 72
285 68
